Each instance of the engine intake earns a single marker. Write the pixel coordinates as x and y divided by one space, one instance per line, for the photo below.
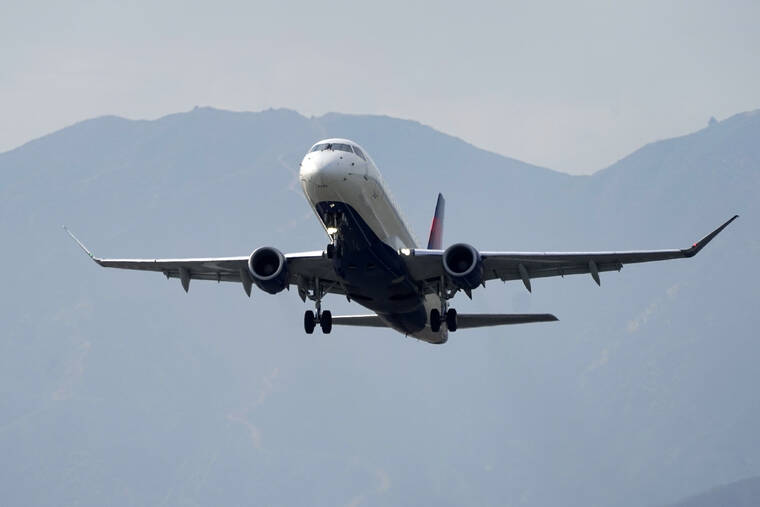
268 269
463 265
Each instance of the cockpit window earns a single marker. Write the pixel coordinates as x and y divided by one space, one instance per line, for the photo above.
333 146
342 147
359 152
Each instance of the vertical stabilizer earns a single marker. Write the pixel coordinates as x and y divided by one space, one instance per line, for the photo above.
436 228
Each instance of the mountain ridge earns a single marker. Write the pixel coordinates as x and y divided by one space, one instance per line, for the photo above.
117 381
204 111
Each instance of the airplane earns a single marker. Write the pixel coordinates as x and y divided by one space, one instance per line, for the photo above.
373 259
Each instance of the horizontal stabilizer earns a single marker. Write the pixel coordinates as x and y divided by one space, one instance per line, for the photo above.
500 319
358 320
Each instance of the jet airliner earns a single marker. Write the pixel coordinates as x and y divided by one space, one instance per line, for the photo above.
372 258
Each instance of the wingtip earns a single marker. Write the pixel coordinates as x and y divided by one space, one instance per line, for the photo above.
699 245
81 245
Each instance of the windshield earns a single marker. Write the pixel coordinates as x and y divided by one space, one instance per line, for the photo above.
332 146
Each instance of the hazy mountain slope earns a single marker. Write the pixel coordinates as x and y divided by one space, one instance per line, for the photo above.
119 388
744 493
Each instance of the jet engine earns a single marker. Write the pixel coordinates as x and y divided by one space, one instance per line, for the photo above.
268 269
463 265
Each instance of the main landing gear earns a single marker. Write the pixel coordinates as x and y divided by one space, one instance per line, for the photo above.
323 318
450 317
445 314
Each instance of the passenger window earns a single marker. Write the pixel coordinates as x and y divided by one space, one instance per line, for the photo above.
359 152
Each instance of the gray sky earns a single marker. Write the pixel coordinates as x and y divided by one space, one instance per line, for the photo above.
569 85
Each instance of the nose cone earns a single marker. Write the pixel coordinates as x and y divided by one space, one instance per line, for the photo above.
322 167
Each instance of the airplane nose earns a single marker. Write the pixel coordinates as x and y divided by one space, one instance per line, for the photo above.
321 167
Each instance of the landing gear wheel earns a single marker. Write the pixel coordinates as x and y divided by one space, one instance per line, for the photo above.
451 320
309 322
325 321
435 320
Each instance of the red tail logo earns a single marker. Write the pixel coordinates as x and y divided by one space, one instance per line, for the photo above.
436 228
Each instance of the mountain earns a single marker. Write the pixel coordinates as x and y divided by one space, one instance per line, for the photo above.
118 388
742 493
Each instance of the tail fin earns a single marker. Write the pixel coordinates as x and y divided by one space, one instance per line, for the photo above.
436 228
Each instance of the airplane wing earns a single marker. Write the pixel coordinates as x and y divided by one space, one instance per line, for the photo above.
427 266
303 268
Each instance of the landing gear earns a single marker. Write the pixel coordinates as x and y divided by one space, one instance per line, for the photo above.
323 318
334 222
334 250
435 320
449 315
310 321
451 320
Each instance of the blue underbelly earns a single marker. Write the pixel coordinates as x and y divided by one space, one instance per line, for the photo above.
374 273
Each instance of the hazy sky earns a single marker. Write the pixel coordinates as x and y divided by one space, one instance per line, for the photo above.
569 85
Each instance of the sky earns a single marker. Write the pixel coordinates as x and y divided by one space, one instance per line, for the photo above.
573 86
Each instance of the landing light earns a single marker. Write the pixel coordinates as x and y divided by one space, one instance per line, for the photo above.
332 230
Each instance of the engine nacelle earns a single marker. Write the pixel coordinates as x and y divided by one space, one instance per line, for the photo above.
463 265
268 269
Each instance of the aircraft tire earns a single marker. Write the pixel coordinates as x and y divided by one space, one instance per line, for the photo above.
451 320
309 322
325 321
435 320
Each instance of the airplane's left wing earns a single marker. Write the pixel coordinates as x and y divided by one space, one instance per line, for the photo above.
427 266
303 268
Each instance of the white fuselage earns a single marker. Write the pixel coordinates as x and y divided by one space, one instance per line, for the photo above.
329 175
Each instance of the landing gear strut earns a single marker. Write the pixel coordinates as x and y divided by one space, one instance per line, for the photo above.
334 221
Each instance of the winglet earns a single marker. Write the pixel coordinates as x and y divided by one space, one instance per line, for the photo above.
81 245
699 245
